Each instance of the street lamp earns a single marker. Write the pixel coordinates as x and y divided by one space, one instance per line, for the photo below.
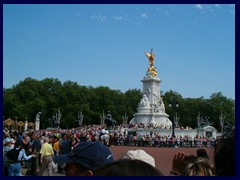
102 118
222 119
125 118
175 118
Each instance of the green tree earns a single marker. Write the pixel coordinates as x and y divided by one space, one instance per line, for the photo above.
131 99
220 104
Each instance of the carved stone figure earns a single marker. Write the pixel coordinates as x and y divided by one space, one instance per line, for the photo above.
38 116
144 102
37 121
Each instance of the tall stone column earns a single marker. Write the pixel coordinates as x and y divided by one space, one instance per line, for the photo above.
151 88
37 124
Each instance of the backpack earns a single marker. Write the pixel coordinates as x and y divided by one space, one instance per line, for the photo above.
13 154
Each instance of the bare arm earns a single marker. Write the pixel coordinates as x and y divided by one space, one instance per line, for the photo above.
177 163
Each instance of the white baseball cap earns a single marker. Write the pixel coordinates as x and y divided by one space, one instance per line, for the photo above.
140 155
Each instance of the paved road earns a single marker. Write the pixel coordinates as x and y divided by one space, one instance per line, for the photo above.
163 156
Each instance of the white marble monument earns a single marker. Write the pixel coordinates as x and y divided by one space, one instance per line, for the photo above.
26 125
37 121
151 109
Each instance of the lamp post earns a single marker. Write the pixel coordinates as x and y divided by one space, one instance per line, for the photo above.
199 122
176 120
125 118
222 119
102 118
175 117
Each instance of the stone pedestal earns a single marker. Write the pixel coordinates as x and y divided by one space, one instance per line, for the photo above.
37 121
25 125
37 124
151 109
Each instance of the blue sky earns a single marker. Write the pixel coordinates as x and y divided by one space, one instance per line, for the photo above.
103 45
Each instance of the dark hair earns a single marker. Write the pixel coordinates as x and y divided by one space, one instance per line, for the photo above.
17 145
77 170
127 167
225 155
202 153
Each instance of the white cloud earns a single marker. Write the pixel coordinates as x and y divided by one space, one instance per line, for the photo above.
199 6
167 13
98 17
144 15
119 18
217 5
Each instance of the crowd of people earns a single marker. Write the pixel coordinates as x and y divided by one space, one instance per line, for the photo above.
85 151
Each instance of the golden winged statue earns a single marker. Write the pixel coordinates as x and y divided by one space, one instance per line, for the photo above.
151 57
152 71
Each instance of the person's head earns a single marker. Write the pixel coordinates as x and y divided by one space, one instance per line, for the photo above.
45 139
17 145
197 166
225 155
140 155
8 144
127 167
202 153
85 158
64 136
5 134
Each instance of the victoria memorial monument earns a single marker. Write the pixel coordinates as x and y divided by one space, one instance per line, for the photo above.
151 109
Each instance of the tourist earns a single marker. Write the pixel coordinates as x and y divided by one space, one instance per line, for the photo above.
85 158
8 144
16 155
65 148
36 147
25 144
56 148
47 155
